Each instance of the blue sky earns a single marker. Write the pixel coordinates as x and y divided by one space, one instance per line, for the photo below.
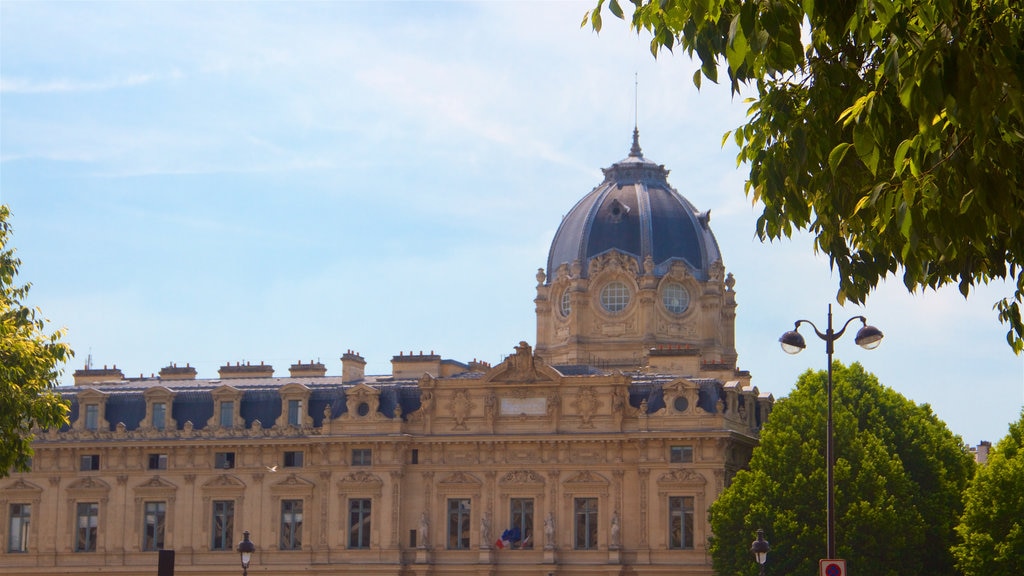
207 183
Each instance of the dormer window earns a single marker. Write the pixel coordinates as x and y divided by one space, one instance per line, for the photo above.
159 415
227 414
92 417
295 412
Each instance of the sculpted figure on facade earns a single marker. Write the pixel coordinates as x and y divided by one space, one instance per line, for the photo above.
549 531
424 530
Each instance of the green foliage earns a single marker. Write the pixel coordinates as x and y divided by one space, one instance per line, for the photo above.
29 360
899 477
893 130
992 526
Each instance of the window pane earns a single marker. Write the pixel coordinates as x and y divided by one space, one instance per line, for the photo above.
458 523
295 412
680 522
291 524
359 523
154 522
522 520
92 416
86 526
227 414
21 514
223 525
159 415
682 454
585 530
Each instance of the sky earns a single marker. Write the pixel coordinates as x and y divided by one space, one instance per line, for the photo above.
207 183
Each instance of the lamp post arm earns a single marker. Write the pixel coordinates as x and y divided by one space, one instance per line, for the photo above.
862 319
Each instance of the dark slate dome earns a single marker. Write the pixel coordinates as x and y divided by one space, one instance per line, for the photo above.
637 212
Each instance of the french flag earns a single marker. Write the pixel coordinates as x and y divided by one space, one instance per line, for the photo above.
508 538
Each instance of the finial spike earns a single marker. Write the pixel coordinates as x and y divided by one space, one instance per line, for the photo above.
635 151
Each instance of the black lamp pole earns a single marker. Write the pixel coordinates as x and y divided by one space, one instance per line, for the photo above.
759 548
868 337
245 549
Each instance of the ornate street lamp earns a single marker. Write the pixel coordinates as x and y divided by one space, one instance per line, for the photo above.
759 548
868 337
245 549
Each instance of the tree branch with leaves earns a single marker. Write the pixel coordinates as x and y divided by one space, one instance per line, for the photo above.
892 130
30 361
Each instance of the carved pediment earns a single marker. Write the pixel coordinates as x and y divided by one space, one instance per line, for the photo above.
586 481
156 483
89 484
521 477
361 482
224 481
682 477
292 483
613 261
21 488
226 392
363 402
461 478
522 367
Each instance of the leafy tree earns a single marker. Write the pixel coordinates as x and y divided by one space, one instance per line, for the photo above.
893 130
29 360
899 475
992 526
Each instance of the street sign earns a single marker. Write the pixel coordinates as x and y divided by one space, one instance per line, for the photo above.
832 567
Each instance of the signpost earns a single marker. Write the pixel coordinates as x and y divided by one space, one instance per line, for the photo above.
832 567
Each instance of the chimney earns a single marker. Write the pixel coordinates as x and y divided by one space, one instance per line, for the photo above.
312 369
229 372
175 372
414 365
353 367
87 376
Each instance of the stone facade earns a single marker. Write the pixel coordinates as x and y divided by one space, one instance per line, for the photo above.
599 453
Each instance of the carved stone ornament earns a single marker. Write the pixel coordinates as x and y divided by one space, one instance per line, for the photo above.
521 477
460 405
613 260
522 367
682 477
586 405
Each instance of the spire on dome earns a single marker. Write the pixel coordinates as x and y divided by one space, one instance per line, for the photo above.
635 151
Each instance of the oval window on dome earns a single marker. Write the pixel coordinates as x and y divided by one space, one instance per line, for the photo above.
614 296
675 298
565 307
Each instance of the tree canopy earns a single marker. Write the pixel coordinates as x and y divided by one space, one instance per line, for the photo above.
899 477
30 361
992 526
892 130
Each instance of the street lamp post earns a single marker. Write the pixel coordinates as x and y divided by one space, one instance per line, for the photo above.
245 549
868 337
759 548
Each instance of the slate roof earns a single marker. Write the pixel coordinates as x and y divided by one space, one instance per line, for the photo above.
637 212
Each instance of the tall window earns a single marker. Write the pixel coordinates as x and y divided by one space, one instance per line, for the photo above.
359 523
522 518
17 539
153 524
159 415
291 524
92 416
458 523
680 522
295 412
585 530
86 526
223 525
227 414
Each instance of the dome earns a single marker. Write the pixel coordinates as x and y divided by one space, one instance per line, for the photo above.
637 212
